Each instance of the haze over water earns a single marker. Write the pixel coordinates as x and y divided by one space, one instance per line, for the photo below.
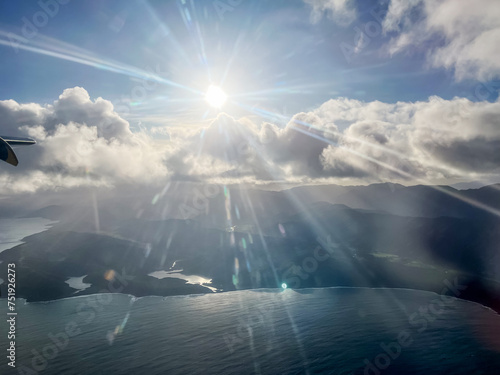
12 231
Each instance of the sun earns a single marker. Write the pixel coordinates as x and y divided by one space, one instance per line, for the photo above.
215 97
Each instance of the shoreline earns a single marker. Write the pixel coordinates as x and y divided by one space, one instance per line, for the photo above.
489 306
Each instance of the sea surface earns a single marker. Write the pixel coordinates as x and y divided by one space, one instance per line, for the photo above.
308 331
12 231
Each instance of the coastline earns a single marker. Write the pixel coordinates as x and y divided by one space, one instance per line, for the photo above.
485 304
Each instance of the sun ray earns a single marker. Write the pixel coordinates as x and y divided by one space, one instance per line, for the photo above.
61 51
472 202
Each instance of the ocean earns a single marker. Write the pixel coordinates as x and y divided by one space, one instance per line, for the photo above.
266 331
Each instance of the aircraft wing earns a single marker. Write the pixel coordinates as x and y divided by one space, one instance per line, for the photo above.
7 154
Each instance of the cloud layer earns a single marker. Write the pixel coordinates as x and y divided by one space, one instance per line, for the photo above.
84 142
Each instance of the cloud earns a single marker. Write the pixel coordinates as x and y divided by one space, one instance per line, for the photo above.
74 105
83 142
299 145
80 142
434 140
266 152
341 11
457 34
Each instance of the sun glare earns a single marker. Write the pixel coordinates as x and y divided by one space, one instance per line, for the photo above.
215 97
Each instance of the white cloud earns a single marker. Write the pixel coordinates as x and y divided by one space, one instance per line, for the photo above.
73 105
80 142
265 152
83 142
457 34
433 141
341 11
436 140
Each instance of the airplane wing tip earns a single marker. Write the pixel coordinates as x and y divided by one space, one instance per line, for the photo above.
7 154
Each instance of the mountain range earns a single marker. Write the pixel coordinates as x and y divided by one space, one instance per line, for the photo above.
383 235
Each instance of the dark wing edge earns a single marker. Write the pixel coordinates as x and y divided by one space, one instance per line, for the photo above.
7 154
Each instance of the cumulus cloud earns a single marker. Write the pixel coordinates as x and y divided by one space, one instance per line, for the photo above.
80 142
84 142
299 145
434 140
266 152
341 11
73 105
465 34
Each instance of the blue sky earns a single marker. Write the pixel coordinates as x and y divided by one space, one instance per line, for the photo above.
319 91
271 47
